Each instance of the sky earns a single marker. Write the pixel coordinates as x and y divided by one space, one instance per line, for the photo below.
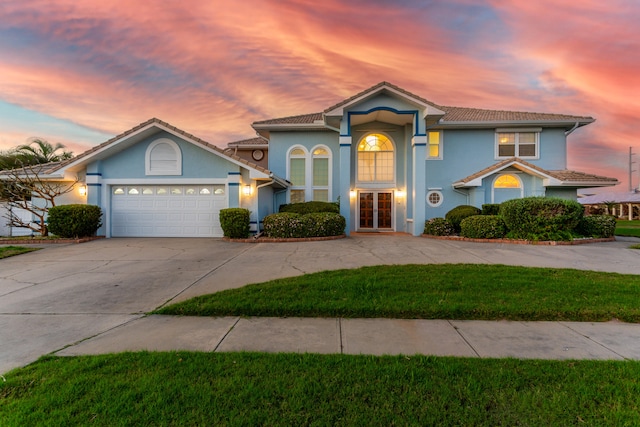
81 72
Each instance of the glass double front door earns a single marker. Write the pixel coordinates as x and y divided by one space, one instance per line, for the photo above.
375 210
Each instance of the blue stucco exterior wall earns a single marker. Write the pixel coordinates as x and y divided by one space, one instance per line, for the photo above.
196 162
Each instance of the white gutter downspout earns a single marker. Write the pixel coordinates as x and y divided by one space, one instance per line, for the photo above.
464 193
567 133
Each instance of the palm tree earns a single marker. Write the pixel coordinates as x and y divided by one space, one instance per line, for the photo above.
40 151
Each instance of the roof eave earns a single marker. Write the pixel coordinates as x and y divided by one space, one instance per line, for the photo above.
502 123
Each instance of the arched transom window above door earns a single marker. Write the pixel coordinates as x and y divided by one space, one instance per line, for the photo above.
376 159
507 181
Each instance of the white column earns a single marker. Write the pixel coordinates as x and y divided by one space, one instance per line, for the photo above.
419 152
345 180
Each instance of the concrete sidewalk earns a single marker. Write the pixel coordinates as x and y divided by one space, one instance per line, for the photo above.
488 339
73 297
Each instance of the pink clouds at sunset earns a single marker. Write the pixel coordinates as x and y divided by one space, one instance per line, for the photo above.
79 72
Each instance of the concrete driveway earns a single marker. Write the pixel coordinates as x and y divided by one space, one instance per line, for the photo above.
61 295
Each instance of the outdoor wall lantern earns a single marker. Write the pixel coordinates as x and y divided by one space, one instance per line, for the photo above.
352 194
400 193
82 190
246 190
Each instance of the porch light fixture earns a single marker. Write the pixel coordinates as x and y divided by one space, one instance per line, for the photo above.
82 190
246 190
400 194
352 194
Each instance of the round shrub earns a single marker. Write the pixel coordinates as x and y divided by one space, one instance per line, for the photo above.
483 227
438 227
322 224
235 223
283 225
541 218
457 214
597 226
73 221
490 209
310 207
292 225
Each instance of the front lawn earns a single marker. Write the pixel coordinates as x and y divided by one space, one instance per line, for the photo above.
447 291
7 251
289 389
628 228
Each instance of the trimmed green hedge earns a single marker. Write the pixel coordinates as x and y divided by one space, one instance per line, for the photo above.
74 221
483 227
293 225
235 223
491 209
597 226
457 214
310 207
541 218
438 227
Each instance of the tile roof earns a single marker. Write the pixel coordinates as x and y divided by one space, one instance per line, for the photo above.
610 196
169 127
250 141
292 120
460 114
565 176
373 89
457 115
44 169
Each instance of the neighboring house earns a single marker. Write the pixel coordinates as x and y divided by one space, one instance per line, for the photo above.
622 204
391 158
6 230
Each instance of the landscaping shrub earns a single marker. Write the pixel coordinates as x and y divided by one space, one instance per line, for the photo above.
483 227
541 218
457 214
283 225
293 225
597 226
235 223
310 207
73 221
322 224
438 227
490 209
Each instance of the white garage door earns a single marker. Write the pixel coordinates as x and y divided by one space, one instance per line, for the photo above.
167 211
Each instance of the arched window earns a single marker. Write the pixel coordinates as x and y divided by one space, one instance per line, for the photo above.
163 157
309 174
375 159
507 181
298 174
506 187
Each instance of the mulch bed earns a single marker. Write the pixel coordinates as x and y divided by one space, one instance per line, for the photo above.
282 240
41 241
523 242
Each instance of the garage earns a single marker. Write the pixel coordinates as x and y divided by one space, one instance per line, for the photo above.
167 210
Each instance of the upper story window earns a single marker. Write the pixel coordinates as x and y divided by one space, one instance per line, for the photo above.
517 144
434 145
376 159
309 174
163 157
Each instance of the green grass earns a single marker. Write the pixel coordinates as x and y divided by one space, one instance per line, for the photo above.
448 291
289 389
628 228
7 251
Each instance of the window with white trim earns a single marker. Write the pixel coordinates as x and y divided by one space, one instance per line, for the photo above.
309 174
163 157
376 159
434 145
517 144
434 198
